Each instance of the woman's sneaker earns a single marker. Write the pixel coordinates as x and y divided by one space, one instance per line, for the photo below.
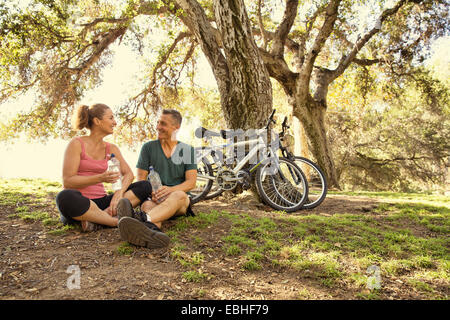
144 234
87 226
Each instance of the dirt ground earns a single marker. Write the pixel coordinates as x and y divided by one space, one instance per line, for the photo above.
36 265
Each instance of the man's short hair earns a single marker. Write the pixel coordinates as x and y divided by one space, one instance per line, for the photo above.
175 115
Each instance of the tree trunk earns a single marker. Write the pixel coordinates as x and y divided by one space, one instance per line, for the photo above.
243 81
248 101
311 113
301 140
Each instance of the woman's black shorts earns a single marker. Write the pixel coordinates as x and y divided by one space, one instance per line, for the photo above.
71 203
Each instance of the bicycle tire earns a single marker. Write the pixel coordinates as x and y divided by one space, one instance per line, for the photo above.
215 190
203 186
276 189
317 183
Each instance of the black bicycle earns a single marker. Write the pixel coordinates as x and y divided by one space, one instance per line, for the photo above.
317 183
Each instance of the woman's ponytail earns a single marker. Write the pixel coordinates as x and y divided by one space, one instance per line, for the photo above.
83 115
80 119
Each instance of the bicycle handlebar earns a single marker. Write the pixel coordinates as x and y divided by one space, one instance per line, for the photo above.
270 119
284 125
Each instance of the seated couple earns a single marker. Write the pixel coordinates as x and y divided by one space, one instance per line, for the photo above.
84 199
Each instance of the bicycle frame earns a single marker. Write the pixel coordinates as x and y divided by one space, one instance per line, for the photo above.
260 145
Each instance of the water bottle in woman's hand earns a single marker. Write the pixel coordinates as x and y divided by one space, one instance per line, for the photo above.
114 166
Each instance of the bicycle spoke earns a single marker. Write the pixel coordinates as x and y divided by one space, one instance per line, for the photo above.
283 188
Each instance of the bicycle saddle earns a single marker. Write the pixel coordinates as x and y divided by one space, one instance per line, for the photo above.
201 132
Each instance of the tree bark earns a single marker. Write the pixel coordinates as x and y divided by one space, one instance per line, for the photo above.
311 114
249 99
243 81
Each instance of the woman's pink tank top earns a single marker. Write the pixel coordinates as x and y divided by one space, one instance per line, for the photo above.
90 167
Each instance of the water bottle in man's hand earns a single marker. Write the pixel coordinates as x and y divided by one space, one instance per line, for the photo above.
154 179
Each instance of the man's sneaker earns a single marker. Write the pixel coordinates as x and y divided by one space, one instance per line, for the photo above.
124 209
144 234
140 215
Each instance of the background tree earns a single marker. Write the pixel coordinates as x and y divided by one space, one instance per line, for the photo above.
393 137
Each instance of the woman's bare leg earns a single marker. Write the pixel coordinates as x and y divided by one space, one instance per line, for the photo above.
95 215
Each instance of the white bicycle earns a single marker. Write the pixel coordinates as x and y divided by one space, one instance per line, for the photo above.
280 183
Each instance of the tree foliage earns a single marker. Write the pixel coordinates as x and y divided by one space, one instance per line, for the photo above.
59 49
395 137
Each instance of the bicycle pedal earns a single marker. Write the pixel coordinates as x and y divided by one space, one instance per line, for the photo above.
246 186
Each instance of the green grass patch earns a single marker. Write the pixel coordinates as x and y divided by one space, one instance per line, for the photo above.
35 216
20 191
125 249
421 286
30 199
176 252
251 265
232 250
372 295
61 230
194 276
197 258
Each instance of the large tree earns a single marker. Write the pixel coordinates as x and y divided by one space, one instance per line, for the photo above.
305 50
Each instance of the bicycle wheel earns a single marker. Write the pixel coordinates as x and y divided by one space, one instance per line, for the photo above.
204 183
317 183
215 189
282 186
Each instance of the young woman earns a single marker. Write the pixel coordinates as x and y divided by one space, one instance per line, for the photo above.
84 198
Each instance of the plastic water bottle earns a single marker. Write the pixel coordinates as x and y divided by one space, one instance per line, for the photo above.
114 166
154 179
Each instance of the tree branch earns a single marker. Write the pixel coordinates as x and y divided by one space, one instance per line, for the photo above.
279 70
331 13
366 62
290 13
141 100
300 50
290 44
261 26
395 159
90 25
197 22
346 60
99 48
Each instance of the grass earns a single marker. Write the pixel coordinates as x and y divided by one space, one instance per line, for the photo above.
194 276
406 236
125 249
33 200
406 239
401 197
